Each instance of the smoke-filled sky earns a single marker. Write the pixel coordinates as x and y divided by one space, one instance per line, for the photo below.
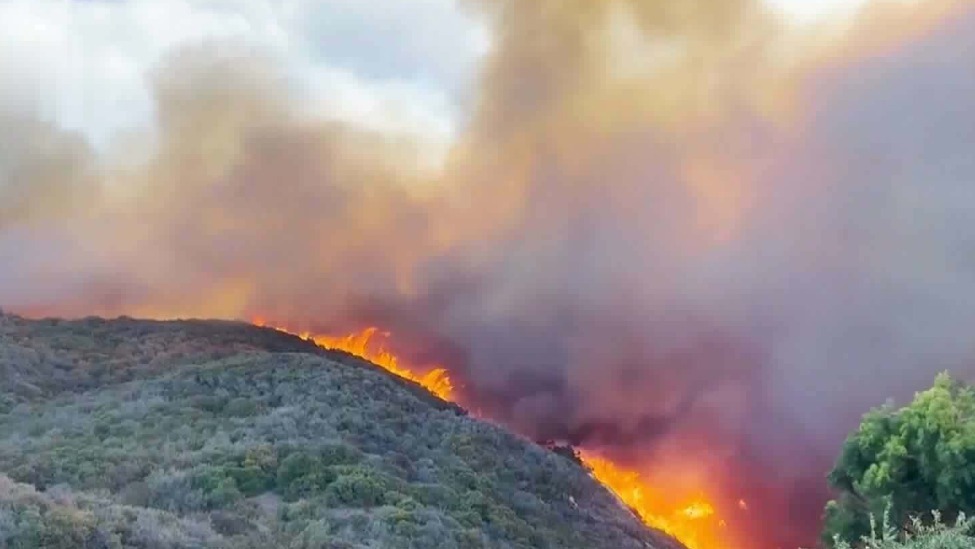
717 230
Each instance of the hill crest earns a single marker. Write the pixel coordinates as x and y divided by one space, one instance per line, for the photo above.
246 436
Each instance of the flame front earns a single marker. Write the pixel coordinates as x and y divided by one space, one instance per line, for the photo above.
694 522
364 345
436 380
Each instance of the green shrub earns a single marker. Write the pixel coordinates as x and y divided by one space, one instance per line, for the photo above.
933 534
252 481
340 454
301 474
356 490
240 407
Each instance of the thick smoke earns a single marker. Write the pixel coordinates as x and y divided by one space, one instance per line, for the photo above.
678 231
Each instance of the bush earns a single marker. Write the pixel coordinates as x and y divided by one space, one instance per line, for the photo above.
340 454
240 407
301 474
935 535
251 481
356 490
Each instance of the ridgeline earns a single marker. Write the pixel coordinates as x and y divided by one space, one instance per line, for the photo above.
132 433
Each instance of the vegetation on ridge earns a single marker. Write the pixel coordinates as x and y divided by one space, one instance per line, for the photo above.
197 434
131 433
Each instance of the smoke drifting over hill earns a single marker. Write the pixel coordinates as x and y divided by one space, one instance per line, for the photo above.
677 231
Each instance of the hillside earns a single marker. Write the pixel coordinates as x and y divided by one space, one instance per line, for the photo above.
131 433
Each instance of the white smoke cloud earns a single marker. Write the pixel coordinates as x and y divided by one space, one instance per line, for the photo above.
398 67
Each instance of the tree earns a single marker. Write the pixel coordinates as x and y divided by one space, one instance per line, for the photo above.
907 462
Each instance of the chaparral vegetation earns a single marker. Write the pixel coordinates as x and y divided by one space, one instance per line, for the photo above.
141 434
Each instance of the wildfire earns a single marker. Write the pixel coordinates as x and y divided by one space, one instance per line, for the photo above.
435 380
694 523
364 345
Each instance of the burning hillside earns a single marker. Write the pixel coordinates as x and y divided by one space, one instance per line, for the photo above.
436 379
676 234
676 499
188 434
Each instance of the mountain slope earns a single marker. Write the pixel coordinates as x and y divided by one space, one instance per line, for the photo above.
131 433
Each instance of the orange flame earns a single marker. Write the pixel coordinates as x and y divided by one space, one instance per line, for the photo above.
435 380
695 523
363 345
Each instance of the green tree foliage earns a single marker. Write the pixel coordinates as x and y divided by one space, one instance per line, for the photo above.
908 462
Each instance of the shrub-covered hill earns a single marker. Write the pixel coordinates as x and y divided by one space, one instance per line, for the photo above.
131 433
